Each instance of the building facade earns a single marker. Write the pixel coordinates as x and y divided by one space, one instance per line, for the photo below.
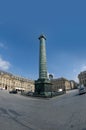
73 84
60 83
82 78
9 81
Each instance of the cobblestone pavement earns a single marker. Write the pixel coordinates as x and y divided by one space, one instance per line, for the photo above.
65 112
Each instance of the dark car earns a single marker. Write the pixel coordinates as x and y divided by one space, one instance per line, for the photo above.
13 91
30 94
27 93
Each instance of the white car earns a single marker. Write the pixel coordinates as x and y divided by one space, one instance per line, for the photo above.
82 90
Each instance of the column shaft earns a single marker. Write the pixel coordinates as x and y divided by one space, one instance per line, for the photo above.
42 59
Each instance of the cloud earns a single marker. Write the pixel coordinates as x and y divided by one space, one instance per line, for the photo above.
77 70
4 65
76 79
74 70
83 67
2 45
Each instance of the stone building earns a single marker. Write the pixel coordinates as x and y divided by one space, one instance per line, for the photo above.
9 81
73 84
60 83
82 78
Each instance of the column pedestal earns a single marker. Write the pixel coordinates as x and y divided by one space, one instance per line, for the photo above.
43 88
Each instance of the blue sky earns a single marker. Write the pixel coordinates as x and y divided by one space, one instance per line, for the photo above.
64 24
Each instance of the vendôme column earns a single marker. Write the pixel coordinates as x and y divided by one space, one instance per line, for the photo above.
42 85
42 58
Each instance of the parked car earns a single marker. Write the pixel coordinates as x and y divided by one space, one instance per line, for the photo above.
13 91
82 90
28 93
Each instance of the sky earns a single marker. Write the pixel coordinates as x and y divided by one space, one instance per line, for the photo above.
64 24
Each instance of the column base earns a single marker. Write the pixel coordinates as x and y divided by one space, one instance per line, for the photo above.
43 88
